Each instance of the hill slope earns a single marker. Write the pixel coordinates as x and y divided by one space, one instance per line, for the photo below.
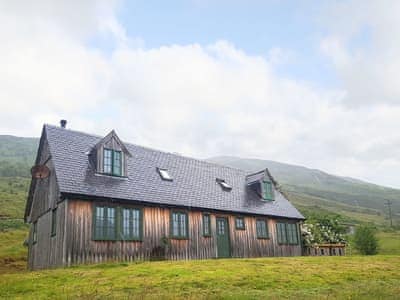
309 187
17 155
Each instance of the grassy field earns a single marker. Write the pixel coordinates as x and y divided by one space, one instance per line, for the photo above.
355 277
300 278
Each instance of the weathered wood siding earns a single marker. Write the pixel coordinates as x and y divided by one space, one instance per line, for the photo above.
80 248
48 251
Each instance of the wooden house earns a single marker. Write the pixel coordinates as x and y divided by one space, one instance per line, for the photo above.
104 199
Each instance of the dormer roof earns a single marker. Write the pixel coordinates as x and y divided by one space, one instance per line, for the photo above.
112 137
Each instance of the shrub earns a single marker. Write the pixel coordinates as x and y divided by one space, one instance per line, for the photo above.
365 240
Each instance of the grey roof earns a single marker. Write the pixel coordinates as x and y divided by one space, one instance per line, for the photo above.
194 181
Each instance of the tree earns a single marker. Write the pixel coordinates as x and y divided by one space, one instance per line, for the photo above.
365 240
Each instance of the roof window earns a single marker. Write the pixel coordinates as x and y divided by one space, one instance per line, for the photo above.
223 184
164 174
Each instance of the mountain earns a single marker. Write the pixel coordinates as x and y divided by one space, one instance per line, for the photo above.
17 155
310 188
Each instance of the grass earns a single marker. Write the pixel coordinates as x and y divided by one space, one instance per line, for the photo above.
301 278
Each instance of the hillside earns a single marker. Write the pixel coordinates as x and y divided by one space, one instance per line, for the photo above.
17 155
310 188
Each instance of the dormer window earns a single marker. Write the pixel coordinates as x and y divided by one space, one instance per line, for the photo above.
112 162
268 193
109 156
223 184
164 174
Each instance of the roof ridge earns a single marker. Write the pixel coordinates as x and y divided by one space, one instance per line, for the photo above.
151 149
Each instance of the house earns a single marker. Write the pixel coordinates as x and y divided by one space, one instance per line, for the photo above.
102 199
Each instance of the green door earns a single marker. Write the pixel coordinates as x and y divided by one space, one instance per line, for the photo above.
223 246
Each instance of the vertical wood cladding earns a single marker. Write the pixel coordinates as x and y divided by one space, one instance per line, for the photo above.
80 248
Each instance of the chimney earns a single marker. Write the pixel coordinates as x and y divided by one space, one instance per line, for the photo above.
63 123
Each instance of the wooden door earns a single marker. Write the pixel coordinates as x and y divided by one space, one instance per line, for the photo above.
223 243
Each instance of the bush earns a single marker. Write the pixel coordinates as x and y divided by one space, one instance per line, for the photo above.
365 240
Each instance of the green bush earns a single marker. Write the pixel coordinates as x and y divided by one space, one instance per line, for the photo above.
365 240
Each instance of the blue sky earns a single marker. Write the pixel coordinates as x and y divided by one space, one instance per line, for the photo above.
312 83
254 26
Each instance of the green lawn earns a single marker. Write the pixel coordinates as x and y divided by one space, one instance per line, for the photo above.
356 277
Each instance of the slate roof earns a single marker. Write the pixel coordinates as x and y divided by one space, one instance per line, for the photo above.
194 181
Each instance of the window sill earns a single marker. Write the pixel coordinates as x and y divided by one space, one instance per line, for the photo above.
206 235
111 176
263 238
240 228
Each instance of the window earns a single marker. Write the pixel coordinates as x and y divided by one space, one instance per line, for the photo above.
164 174
268 191
262 229
34 233
223 184
179 225
287 233
239 223
291 233
281 233
112 162
131 224
117 223
206 225
105 223
53 222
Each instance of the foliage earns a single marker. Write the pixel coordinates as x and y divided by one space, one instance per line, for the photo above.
365 240
295 278
323 228
13 193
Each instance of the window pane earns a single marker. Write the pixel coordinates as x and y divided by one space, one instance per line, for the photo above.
175 224
136 223
183 225
117 165
206 224
261 227
110 223
107 162
99 221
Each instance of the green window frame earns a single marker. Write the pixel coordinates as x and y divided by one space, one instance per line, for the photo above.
281 233
131 226
239 223
287 233
112 162
117 223
268 190
34 233
262 229
292 233
179 225
53 222
105 223
206 225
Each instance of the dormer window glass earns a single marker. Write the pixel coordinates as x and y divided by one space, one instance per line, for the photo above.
112 162
268 193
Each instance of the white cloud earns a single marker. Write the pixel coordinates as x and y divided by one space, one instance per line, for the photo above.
200 100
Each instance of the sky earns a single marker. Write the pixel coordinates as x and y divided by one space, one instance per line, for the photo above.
312 83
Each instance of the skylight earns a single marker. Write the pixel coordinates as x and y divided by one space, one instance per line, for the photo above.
164 174
223 184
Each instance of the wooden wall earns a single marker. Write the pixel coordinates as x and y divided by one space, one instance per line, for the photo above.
48 251
80 248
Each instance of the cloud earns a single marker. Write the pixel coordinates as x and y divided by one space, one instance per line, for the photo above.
199 100
363 46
